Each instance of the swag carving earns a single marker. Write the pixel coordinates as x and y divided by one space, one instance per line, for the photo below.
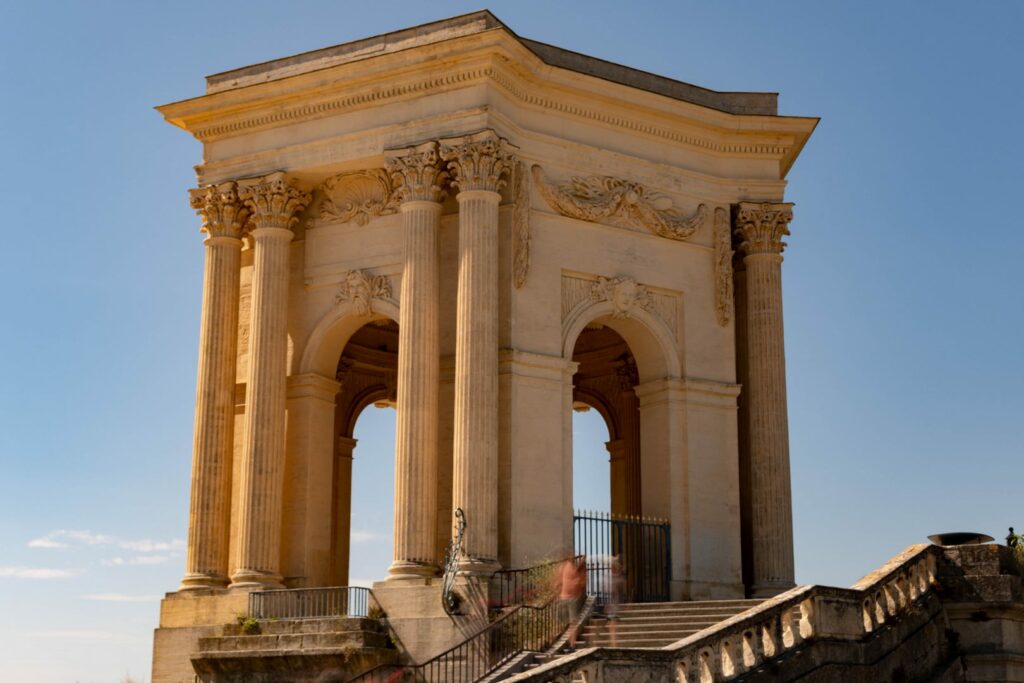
358 197
621 202
520 225
360 289
723 268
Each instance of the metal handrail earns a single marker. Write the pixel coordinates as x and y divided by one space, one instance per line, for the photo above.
522 586
449 600
310 603
522 628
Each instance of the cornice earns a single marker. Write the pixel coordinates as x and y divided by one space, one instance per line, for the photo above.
491 57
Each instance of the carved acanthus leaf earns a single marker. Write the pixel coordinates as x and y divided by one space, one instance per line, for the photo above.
360 289
621 202
723 267
623 293
480 161
761 227
520 225
358 196
220 208
273 201
417 173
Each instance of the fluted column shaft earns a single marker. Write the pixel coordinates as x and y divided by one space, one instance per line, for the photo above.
418 176
760 228
477 164
206 563
273 204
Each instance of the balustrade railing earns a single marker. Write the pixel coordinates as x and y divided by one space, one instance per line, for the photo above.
310 603
524 586
746 641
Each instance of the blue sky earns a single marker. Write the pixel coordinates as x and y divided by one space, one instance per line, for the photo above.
903 301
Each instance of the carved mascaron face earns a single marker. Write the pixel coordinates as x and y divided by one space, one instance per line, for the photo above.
624 295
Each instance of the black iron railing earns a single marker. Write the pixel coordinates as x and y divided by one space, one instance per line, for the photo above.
629 559
310 603
522 628
523 586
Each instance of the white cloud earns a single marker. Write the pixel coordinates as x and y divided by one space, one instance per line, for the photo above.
121 597
84 634
360 536
64 538
137 560
36 573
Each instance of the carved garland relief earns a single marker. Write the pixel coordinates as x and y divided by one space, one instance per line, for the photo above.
723 267
620 202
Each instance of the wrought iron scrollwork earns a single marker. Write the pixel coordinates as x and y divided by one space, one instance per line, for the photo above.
449 598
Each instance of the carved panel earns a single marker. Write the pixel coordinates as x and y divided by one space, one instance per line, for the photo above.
361 288
357 197
623 203
520 225
723 267
625 294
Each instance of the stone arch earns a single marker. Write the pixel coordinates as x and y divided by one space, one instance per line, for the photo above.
652 342
332 332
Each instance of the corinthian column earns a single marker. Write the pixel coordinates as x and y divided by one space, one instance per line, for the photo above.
417 173
223 216
273 205
760 229
478 164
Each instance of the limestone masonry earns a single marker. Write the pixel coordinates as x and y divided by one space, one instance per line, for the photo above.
487 233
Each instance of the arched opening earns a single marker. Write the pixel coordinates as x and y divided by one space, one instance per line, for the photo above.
605 381
364 454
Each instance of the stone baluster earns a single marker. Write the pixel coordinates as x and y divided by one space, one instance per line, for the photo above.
760 229
224 217
417 173
274 205
479 164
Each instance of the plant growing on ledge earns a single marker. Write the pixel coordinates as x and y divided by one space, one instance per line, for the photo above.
249 625
1016 544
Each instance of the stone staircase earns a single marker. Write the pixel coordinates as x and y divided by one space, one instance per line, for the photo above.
322 650
657 624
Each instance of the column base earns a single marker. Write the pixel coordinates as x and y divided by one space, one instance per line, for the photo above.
199 581
251 579
473 566
770 589
404 569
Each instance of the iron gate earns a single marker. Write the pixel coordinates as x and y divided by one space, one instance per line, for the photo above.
640 545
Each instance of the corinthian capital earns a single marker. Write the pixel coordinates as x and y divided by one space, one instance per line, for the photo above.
223 213
761 227
273 201
417 172
480 161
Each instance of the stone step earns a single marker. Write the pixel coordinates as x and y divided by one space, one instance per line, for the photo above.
661 617
628 628
657 639
689 604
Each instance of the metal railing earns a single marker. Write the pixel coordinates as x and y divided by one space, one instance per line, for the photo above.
310 603
523 628
638 548
522 586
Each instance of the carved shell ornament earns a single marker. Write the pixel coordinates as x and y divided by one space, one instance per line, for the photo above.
358 197
360 288
606 198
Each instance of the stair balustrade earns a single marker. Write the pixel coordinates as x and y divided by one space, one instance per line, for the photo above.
310 603
777 626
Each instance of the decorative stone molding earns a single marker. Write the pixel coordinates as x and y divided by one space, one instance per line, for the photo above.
624 294
480 161
360 289
620 202
520 225
273 201
417 173
723 268
357 197
222 212
760 227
